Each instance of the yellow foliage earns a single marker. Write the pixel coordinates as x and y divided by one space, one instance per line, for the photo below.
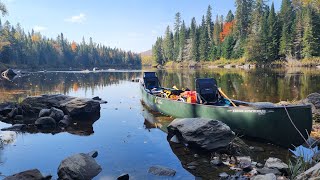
35 38
147 60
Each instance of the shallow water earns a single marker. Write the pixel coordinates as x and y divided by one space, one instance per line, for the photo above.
126 142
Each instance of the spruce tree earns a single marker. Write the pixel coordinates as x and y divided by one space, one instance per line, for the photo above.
286 19
168 44
177 26
230 16
311 41
194 35
273 35
182 40
204 41
209 23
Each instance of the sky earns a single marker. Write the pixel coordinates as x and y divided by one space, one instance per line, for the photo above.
127 24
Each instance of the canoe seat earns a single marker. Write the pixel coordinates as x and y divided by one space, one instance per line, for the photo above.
151 80
207 91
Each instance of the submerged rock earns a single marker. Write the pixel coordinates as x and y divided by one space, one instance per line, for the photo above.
79 166
44 112
56 114
45 122
276 163
123 177
76 108
16 127
202 133
33 174
161 171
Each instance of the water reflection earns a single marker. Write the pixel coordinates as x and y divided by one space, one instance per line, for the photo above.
126 135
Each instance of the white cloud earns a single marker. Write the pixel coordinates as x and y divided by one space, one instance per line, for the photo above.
39 28
77 19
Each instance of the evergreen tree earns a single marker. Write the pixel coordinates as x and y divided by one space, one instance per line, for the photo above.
157 51
176 37
227 47
286 19
168 44
298 34
311 37
273 36
256 47
194 35
230 16
182 40
243 17
204 41
209 23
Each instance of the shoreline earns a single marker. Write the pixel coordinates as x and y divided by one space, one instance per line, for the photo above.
237 63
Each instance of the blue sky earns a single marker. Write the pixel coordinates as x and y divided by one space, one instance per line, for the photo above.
126 24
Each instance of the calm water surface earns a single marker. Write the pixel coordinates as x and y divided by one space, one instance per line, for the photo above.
125 140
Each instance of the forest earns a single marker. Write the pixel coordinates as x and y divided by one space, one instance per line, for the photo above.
256 32
22 49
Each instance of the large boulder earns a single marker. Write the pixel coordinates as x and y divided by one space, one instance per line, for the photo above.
79 166
33 174
202 133
314 99
56 114
76 108
45 123
6 108
276 163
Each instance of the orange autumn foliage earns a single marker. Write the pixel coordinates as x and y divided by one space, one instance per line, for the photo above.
74 46
227 28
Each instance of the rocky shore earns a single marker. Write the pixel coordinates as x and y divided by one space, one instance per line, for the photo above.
49 113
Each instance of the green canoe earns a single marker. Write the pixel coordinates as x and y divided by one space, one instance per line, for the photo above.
267 123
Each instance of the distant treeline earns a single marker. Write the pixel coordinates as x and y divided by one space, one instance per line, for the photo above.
256 32
20 49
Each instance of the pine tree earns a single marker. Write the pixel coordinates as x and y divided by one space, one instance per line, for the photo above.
209 23
176 37
243 16
194 35
273 35
230 16
256 46
168 45
182 40
298 35
227 47
204 41
311 41
157 51
286 19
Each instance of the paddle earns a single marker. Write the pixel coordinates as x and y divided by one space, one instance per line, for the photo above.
224 95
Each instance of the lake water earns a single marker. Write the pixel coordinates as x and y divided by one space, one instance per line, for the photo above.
125 140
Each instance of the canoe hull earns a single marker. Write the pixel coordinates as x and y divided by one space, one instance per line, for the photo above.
270 124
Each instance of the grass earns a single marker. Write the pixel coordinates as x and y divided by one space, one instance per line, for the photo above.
297 166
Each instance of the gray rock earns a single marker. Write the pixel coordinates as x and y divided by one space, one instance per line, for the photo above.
16 127
79 166
192 167
44 112
223 175
123 177
33 174
194 163
75 107
265 177
266 170
161 171
313 172
202 133
56 114
314 99
275 163
13 113
18 117
97 98
93 154
45 122
216 162
6 108
65 122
